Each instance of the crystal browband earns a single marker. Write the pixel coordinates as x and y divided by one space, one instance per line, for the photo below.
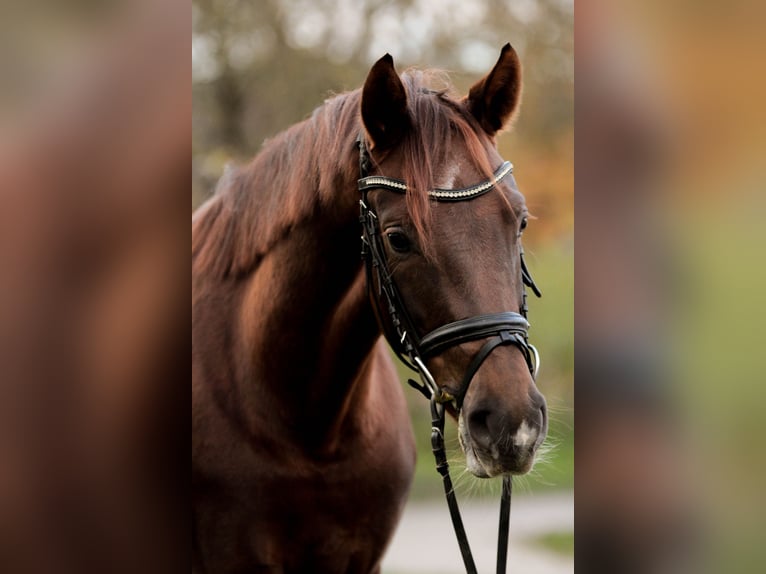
378 181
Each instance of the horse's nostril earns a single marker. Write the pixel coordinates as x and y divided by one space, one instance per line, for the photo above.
543 425
478 426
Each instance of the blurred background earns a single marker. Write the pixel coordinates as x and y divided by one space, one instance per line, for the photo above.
671 130
257 68
94 234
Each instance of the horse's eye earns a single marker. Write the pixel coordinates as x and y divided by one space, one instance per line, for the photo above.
523 224
398 241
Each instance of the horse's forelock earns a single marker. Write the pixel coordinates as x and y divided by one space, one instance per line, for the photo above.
439 124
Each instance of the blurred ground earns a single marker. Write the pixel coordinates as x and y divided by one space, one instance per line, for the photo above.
425 541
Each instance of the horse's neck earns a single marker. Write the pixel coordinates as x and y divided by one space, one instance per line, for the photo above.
307 329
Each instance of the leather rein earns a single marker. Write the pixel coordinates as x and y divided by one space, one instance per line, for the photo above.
505 328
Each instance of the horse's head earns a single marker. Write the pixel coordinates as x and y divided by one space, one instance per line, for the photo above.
453 260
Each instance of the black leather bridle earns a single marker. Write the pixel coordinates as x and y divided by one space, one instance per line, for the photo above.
505 328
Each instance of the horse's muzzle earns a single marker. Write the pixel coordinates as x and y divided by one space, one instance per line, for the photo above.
494 444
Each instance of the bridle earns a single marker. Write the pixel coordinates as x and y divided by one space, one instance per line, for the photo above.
505 328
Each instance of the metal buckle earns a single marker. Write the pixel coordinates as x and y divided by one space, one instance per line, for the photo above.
537 360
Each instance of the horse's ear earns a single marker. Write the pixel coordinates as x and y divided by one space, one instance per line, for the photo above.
384 104
493 99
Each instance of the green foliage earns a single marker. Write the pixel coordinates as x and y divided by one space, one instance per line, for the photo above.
552 316
560 542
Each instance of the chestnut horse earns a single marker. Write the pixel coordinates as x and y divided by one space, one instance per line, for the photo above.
302 449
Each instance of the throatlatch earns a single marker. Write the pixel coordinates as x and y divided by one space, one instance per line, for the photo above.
506 328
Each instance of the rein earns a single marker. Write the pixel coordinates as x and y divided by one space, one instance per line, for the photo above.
505 328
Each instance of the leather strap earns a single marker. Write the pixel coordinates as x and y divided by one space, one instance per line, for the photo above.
504 525
442 467
504 338
470 329
527 276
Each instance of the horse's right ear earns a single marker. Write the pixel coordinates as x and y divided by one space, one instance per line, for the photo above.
384 105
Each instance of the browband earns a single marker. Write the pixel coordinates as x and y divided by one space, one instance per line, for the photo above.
397 185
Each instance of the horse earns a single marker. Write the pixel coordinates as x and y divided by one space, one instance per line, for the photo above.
302 447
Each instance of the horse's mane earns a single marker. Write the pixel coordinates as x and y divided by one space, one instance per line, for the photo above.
302 169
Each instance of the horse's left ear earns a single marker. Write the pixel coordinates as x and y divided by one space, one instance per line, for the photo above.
494 99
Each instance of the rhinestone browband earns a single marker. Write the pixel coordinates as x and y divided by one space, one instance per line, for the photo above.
377 181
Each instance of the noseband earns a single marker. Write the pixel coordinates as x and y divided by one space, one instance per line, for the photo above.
505 328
